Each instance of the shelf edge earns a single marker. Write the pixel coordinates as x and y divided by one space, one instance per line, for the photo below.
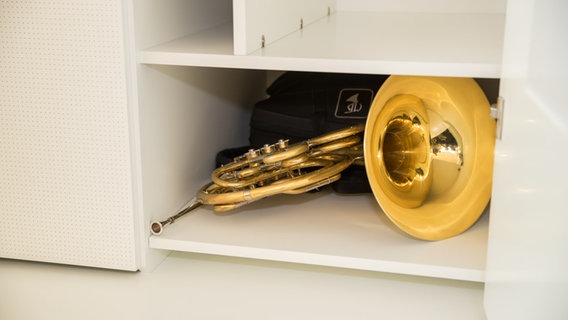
474 70
442 272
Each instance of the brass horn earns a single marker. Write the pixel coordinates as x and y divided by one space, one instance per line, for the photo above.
274 169
428 152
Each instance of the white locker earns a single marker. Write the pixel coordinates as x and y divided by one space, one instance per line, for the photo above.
112 113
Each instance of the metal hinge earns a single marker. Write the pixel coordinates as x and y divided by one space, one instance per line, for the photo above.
497 110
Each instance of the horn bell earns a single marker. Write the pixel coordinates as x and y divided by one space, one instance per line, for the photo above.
428 149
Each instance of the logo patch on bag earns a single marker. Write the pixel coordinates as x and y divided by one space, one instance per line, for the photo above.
354 103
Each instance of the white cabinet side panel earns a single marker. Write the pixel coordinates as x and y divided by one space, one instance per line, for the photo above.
257 19
65 187
528 243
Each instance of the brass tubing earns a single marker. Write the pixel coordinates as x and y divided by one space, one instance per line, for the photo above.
274 169
156 227
328 169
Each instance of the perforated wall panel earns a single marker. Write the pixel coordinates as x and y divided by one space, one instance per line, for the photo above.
65 170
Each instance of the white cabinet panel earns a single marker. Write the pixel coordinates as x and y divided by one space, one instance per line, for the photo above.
528 241
66 190
257 22
409 43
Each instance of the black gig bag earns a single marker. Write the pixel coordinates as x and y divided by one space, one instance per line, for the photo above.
303 105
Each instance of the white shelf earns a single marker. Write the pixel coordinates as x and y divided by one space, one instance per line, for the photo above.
436 44
327 229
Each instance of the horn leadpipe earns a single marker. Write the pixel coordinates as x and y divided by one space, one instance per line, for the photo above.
158 226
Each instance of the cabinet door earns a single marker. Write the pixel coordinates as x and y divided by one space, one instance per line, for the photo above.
66 174
527 264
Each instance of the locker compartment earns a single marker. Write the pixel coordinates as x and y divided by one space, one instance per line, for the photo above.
192 59
180 139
